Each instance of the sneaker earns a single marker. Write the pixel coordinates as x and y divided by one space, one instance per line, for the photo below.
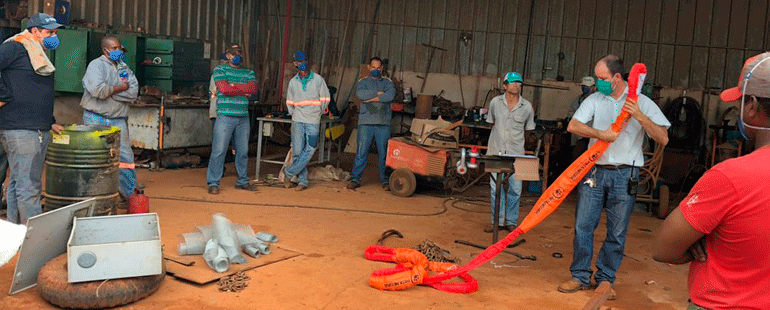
301 188
386 187
613 294
249 187
572 286
214 190
353 185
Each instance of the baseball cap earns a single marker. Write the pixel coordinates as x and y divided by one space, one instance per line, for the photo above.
588 81
511 77
300 56
43 20
757 72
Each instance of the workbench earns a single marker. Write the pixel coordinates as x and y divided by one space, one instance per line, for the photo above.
324 150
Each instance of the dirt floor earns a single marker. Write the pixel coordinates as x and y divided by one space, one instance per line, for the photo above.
332 226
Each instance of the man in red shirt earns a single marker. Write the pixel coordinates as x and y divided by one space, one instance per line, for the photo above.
722 228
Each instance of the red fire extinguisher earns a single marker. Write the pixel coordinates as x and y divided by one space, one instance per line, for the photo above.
138 203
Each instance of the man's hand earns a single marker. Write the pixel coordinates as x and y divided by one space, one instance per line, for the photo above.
2 103
633 109
380 93
57 128
375 99
698 250
609 135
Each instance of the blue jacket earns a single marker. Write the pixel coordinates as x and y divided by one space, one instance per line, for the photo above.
376 112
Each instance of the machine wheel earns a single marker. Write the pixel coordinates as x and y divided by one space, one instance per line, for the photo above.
663 208
402 183
52 281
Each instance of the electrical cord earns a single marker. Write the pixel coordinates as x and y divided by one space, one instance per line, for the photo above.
442 211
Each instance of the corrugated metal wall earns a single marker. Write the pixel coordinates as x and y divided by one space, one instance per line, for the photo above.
217 22
685 43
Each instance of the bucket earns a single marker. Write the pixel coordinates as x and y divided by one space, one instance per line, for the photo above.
82 163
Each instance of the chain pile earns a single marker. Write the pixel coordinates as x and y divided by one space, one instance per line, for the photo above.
234 283
435 253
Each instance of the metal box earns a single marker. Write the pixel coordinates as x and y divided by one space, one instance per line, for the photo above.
184 126
113 247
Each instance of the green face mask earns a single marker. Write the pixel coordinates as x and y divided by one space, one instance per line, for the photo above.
604 87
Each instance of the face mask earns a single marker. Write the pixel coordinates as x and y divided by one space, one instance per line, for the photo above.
604 87
51 43
237 59
302 66
742 129
116 55
586 89
376 73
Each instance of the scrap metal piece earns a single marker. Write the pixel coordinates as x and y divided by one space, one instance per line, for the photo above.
388 233
228 240
216 257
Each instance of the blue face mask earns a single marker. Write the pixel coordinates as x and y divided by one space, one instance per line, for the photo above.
742 129
116 55
51 43
302 66
586 90
237 60
376 73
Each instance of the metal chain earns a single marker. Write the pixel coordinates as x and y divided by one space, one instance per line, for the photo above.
435 253
234 283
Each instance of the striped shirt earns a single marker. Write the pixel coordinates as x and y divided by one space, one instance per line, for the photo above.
307 98
237 105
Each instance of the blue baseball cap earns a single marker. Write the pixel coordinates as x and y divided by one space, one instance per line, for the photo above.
43 20
300 56
511 77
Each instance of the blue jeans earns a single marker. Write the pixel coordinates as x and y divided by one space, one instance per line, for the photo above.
609 192
380 134
509 212
126 176
26 153
226 128
3 168
304 140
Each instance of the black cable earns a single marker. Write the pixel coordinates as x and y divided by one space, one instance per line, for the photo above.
443 206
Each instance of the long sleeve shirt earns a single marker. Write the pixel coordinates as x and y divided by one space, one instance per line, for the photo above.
28 96
99 82
307 99
375 112
234 86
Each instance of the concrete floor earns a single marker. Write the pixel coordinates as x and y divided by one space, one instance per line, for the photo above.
332 273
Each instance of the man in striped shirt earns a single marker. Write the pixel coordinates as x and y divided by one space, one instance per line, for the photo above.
306 99
234 87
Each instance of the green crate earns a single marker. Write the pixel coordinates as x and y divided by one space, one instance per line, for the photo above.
165 60
158 72
71 60
163 85
159 46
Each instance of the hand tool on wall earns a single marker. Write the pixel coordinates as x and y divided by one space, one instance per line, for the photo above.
427 66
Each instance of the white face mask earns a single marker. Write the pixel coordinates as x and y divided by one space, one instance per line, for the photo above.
743 98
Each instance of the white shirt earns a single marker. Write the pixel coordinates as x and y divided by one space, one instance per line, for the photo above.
507 137
603 110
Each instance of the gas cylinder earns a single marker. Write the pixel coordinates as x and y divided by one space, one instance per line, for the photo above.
138 203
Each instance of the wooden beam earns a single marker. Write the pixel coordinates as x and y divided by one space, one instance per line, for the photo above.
599 297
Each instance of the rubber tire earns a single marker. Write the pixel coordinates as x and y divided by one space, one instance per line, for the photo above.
54 288
663 208
402 183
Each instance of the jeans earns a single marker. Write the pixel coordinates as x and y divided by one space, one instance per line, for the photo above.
304 140
509 212
126 176
380 134
225 129
26 154
3 168
610 191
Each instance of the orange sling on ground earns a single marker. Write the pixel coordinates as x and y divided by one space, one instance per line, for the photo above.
550 200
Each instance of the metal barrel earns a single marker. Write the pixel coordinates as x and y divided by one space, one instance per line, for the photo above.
82 163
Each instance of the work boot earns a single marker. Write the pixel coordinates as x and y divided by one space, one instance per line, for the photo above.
301 188
510 228
249 187
286 181
214 190
613 294
572 286
491 228
386 187
353 185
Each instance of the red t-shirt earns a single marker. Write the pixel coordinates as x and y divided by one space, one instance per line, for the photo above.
731 204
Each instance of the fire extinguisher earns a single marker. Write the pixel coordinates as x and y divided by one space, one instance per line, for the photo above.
138 203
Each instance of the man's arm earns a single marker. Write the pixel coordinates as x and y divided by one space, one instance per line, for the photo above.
8 54
675 239
389 93
324 96
95 82
656 132
581 129
250 87
366 95
131 93
290 97
223 85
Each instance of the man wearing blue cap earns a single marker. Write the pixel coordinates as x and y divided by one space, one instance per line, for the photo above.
26 111
510 115
307 98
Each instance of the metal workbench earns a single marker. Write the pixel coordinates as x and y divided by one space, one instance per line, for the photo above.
324 150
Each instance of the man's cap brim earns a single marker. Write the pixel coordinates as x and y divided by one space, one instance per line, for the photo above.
731 94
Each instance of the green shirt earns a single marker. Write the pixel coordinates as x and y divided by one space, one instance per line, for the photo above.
232 105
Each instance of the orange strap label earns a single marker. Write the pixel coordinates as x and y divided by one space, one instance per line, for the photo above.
127 166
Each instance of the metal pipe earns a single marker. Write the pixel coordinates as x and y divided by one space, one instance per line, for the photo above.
267 237
283 51
216 257
223 231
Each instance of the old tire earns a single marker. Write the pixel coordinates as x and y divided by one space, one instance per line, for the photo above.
402 183
53 285
663 200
